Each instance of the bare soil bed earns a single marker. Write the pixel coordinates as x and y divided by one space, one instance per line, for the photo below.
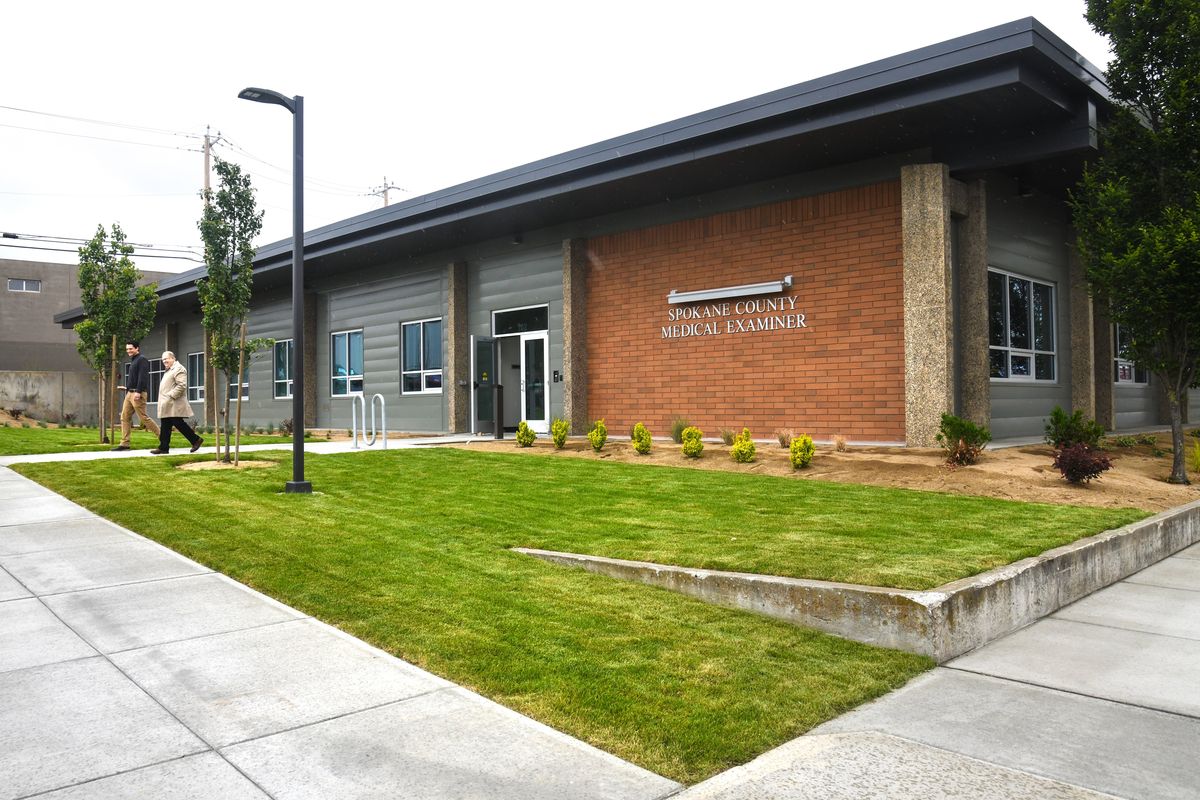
1137 479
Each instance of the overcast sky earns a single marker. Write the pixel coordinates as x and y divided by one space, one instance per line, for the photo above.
424 95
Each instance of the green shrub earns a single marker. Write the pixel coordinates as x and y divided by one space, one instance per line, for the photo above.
525 434
678 426
598 435
24 424
801 450
1148 439
1194 458
1079 463
1124 441
1064 430
286 427
693 441
558 432
641 439
743 448
41 423
727 436
962 439
785 436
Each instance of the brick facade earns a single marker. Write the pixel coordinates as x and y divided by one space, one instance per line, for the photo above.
843 373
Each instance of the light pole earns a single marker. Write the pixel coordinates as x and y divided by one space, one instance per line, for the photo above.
297 485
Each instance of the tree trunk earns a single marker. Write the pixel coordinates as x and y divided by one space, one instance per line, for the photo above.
1178 460
100 406
112 387
225 416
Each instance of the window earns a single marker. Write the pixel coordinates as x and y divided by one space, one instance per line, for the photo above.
195 372
1020 328
421 353
24 285
346 363
156 373
520 320
283 369
233 385
1124 370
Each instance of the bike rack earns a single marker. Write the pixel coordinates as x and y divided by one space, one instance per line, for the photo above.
357 401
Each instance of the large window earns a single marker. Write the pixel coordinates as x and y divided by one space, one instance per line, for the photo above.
233 387
346 363
283 369
421 370
24 285
1021 323
195 373
1124 370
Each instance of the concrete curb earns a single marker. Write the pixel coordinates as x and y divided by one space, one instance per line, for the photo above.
941 623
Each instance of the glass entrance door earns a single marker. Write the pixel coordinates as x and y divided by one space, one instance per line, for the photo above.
484 381
535 381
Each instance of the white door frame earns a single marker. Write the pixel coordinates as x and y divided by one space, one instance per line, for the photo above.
542 425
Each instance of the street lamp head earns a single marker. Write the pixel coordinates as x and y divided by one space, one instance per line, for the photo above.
268 96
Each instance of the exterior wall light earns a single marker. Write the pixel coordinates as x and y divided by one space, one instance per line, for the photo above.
743 290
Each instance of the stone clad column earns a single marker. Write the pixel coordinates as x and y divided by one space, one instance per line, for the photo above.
171 341
1084 383
456 378
1102 349
974 369
575 335
928 300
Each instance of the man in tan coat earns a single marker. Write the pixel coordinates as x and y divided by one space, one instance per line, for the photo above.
173 408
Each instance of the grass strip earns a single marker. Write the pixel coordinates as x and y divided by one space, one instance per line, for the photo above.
18 441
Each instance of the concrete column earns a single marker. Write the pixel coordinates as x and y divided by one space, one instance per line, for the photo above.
575 335
310 360
974 369
456 376
171 340
928 306
1083 357
1102 349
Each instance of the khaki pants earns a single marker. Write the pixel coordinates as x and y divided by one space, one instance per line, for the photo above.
127 410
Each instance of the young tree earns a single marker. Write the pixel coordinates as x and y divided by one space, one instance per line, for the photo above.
1137 209
113 305
228 227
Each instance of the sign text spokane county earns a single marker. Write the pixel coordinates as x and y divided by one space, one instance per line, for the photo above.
719 319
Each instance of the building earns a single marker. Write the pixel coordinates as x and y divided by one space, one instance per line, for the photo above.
40 369
852 256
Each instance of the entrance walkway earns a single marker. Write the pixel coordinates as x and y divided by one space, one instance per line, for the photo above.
1100 699
127 670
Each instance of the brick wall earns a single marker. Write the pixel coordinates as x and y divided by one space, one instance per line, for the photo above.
841 374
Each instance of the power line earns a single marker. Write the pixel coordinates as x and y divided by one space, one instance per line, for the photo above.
100 138
104 194
182 248
332 187
69 250
124 125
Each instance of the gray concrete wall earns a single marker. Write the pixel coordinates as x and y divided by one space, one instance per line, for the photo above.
49 395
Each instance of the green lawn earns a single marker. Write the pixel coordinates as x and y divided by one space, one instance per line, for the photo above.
15 440
409 551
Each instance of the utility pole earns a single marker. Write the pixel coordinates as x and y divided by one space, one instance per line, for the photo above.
382 191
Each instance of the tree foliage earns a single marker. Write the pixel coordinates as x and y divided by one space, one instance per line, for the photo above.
228 227
1137 209
113 303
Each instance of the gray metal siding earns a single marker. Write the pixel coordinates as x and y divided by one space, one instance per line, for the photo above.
1135 406
1028 236
270 318
378 307
533 276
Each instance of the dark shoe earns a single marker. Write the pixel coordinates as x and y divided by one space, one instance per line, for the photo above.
196 445
157 452
121 447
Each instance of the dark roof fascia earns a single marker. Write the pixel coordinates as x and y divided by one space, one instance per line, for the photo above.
729 127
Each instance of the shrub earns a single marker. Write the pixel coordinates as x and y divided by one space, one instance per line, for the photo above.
1080 463
693 441
743 447
24 424
784 435
1194 458
525 434
286 427
1148 439
558 432
727 436
839 443
41 423
15 413
1124 441
962 439
678 425
598 435
641 439
1064 430
801 450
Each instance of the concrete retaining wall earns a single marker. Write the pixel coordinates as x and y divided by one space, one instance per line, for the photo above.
49 395
944 622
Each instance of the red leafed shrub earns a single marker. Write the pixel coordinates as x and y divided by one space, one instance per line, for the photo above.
1080 463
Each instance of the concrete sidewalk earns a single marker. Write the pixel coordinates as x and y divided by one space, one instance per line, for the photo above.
128 671
1101 699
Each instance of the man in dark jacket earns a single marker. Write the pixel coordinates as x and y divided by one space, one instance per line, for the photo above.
136 392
